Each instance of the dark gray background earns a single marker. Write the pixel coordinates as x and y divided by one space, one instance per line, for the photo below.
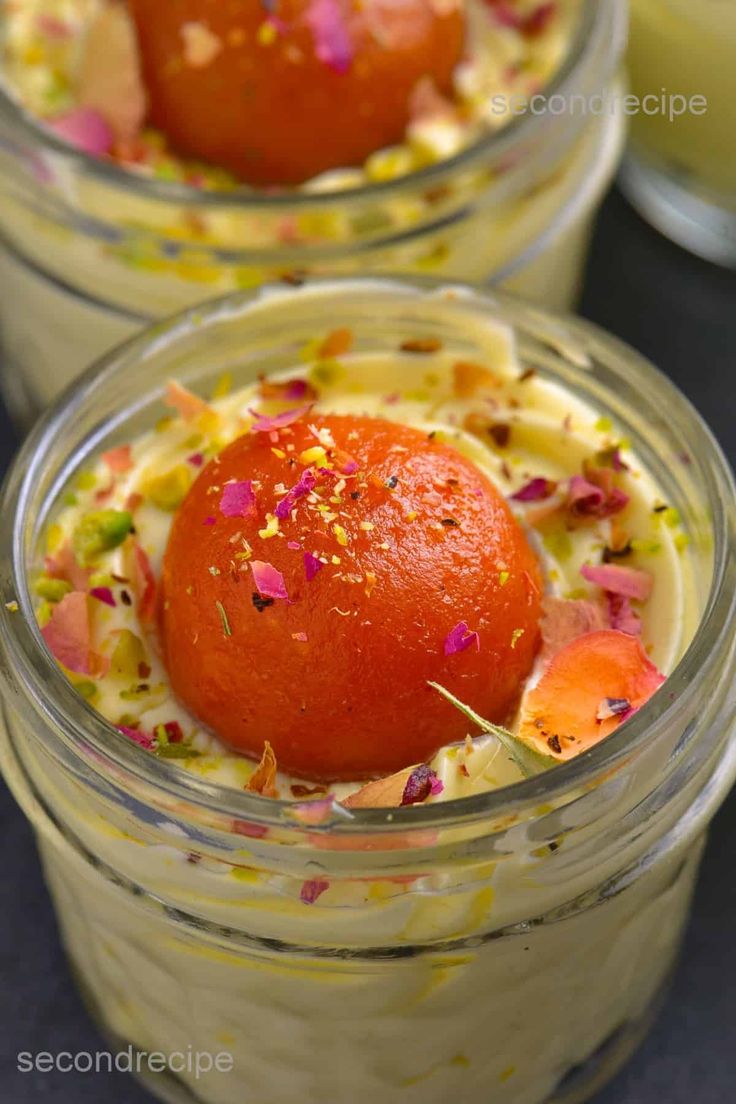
681 312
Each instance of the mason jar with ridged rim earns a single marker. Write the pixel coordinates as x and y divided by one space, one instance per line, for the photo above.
91 252
512 946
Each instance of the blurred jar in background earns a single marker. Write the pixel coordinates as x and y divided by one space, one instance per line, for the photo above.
681 171
90 251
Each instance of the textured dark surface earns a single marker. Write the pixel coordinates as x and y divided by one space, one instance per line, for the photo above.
682 314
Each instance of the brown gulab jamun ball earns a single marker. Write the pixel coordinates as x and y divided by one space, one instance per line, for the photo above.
278 91
317 624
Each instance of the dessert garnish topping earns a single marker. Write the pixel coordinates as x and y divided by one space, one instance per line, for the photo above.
460 638
565 703
238 499
528 759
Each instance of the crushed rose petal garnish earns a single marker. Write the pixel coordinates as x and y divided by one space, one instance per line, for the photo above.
460 638
269 582
238 499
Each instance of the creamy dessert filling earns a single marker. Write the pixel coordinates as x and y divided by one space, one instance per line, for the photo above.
163 567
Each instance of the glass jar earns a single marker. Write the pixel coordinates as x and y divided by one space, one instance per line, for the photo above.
681 168
511 946
92 252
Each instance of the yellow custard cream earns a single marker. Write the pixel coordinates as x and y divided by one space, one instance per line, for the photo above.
688 49
93 255
507 947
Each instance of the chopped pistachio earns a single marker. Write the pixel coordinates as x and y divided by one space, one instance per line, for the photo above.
177 751
128 654
86 480
99 531
53 590
167 491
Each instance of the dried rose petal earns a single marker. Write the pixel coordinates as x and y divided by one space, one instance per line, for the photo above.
137 736
616 579
174 732
266 424
84 128
585 498
263 779
332 43
460 638
536 490
306 484
144 583
422 783
67 634
293 390
312 890
238 499
311 565
536 22
185 402
118 459
64 565
565 619
622 616
103 594
269 582
109 73
53 27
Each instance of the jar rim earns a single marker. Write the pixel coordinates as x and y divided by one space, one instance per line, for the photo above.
53 694
594 27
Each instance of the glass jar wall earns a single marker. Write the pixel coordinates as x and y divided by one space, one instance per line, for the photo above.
512 945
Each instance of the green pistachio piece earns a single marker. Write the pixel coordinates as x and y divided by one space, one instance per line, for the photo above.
167 491
99 531
176 751
53 590
128 655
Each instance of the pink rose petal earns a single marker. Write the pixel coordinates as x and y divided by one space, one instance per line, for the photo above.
536 490
588 499
108 71
67 634
422 782
184 401
119 459
311 565
266 424
312 890
460 638
269 582
53 28
238 499
137 736
536 22
144 584
306 484
63 565
84 128
565 619
331 39
621 615
103 594
615 579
